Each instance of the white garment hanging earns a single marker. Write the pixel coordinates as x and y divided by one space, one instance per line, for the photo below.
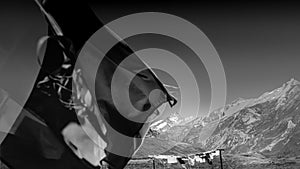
172 159
191 161
211 156
202 160
197 159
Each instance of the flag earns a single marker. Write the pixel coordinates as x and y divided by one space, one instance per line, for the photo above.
72 129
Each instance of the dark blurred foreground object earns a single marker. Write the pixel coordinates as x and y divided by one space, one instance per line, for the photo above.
38 139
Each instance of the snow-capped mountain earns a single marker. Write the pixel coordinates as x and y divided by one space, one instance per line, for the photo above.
268 125
164 125
240 103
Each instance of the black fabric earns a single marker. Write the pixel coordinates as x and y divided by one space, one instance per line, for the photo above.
180 161
26 148
78 23
22 152
208 159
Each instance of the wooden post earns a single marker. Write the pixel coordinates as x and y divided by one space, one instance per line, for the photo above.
153 160
221 157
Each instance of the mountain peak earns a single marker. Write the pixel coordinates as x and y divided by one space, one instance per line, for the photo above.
292 81
289 84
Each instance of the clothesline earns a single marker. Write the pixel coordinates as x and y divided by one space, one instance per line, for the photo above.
212 152
190 159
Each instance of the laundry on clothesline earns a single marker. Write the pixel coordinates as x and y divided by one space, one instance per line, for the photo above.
180 160
190 159
172 159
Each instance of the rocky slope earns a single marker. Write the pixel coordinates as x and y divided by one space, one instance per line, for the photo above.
268 125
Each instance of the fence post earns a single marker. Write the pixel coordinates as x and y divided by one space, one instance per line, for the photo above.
153 161
220 150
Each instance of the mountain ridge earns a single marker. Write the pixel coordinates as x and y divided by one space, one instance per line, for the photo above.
267 125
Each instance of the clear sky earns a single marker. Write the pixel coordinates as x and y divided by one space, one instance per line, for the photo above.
258 43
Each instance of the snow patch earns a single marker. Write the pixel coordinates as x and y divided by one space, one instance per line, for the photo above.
291 124
161 125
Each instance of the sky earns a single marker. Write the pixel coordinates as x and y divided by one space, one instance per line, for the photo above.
258 43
